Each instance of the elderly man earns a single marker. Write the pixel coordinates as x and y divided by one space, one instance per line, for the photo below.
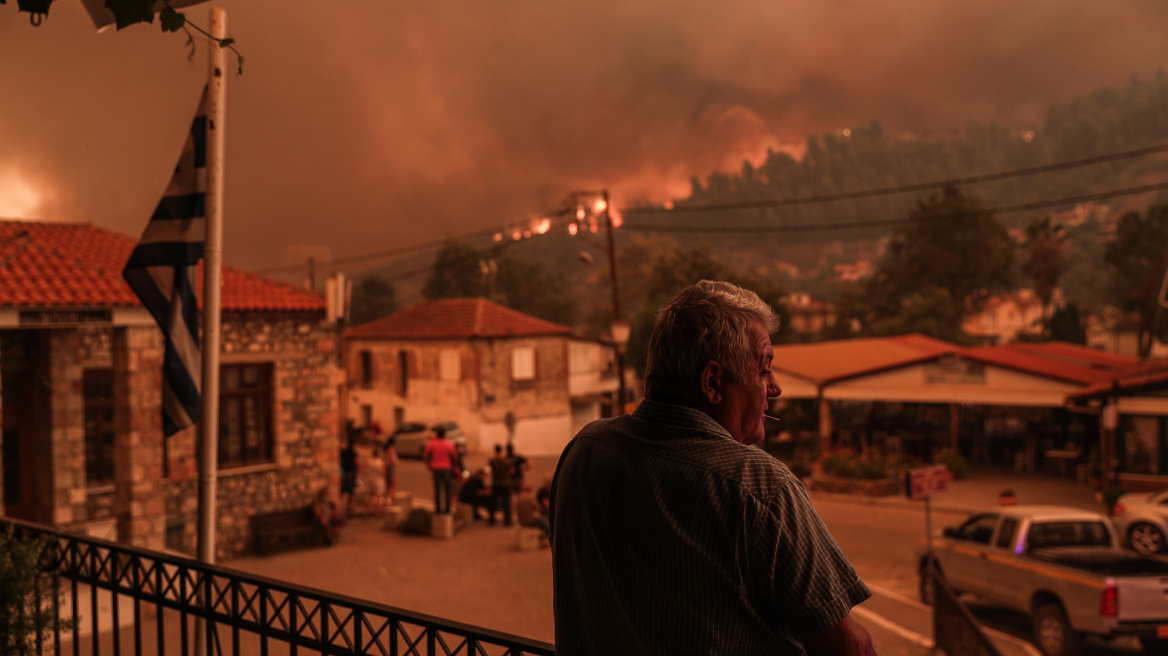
670 535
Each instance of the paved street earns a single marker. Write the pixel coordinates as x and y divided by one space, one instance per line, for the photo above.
481 578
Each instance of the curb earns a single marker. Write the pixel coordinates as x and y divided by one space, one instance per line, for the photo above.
897 501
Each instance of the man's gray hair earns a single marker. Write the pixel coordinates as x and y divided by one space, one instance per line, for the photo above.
706 321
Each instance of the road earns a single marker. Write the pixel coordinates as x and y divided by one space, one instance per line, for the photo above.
480 578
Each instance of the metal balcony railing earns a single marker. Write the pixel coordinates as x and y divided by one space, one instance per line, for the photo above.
122 600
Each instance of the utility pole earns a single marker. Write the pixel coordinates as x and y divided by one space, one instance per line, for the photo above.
620 327
620 332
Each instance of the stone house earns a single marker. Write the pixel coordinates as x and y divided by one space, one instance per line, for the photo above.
1006 316
807 316
80 388
483 365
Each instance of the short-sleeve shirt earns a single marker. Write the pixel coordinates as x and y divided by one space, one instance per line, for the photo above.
442 454
668 537
502 471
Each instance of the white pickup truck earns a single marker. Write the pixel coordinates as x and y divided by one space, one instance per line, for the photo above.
1063 567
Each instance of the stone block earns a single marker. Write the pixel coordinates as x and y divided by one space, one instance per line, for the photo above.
442 526
393 518
463 513
405 501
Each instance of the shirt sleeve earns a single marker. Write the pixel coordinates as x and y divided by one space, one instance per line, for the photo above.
813 585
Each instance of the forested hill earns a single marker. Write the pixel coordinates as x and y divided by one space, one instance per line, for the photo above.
1107 121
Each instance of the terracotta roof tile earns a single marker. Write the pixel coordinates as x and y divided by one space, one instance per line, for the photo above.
456 318
827 361
1063 361
80 265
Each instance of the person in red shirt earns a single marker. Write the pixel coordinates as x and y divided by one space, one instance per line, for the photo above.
442 459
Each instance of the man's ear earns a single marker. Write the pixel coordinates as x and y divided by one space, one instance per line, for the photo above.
711 383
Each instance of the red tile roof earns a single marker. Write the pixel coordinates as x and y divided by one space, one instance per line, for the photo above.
78 265
1062 361
457 318
825 362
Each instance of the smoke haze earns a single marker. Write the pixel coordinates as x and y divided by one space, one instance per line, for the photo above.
372 124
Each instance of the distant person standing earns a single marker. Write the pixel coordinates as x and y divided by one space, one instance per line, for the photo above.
502 475
442 459
349 465
519 467
390 448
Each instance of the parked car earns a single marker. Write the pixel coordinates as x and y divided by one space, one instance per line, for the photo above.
1061 566
411 437
1142 521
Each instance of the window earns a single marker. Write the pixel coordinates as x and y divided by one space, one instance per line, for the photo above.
245 408
449 364
1006 533
403 369
366 369
978 529
97 390
1069 534
523 363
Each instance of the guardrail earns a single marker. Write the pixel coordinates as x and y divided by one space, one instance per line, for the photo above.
153 603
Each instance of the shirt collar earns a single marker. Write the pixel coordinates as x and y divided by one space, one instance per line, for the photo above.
678 415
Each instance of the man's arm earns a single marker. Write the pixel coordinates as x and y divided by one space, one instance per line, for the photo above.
844 638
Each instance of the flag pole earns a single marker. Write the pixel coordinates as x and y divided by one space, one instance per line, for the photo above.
208 438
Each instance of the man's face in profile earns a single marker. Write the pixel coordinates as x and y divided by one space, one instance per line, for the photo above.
744 402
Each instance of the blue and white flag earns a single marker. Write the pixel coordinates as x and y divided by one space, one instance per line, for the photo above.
162 271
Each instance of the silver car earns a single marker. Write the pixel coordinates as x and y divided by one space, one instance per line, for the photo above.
409 440
1142 520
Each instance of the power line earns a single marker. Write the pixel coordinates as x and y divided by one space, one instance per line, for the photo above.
804 200
401 250
888 223
888 191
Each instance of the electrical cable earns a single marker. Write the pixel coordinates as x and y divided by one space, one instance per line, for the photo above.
805 200
888 191
888 223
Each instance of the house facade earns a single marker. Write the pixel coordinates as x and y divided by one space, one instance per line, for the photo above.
501 374
1006 316
80 394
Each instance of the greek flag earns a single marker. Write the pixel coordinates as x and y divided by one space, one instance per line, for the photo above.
162 271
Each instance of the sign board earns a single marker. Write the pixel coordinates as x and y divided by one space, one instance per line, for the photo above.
927 481
951 370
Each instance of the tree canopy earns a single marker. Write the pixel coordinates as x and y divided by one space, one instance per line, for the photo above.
1138 262
504 275
1045 257
373 298
949 257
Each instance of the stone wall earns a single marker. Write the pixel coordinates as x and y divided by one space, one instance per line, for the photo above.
479 400
301 349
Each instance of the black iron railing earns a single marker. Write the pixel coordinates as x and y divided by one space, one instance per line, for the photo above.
121 600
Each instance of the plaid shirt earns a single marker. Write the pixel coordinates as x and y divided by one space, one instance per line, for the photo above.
668 537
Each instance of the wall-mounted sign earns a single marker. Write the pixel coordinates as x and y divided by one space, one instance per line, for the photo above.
56 318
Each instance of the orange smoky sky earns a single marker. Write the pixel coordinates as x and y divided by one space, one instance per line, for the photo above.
368 125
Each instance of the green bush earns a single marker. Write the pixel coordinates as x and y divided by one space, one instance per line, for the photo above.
23 614
951 459
846 464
